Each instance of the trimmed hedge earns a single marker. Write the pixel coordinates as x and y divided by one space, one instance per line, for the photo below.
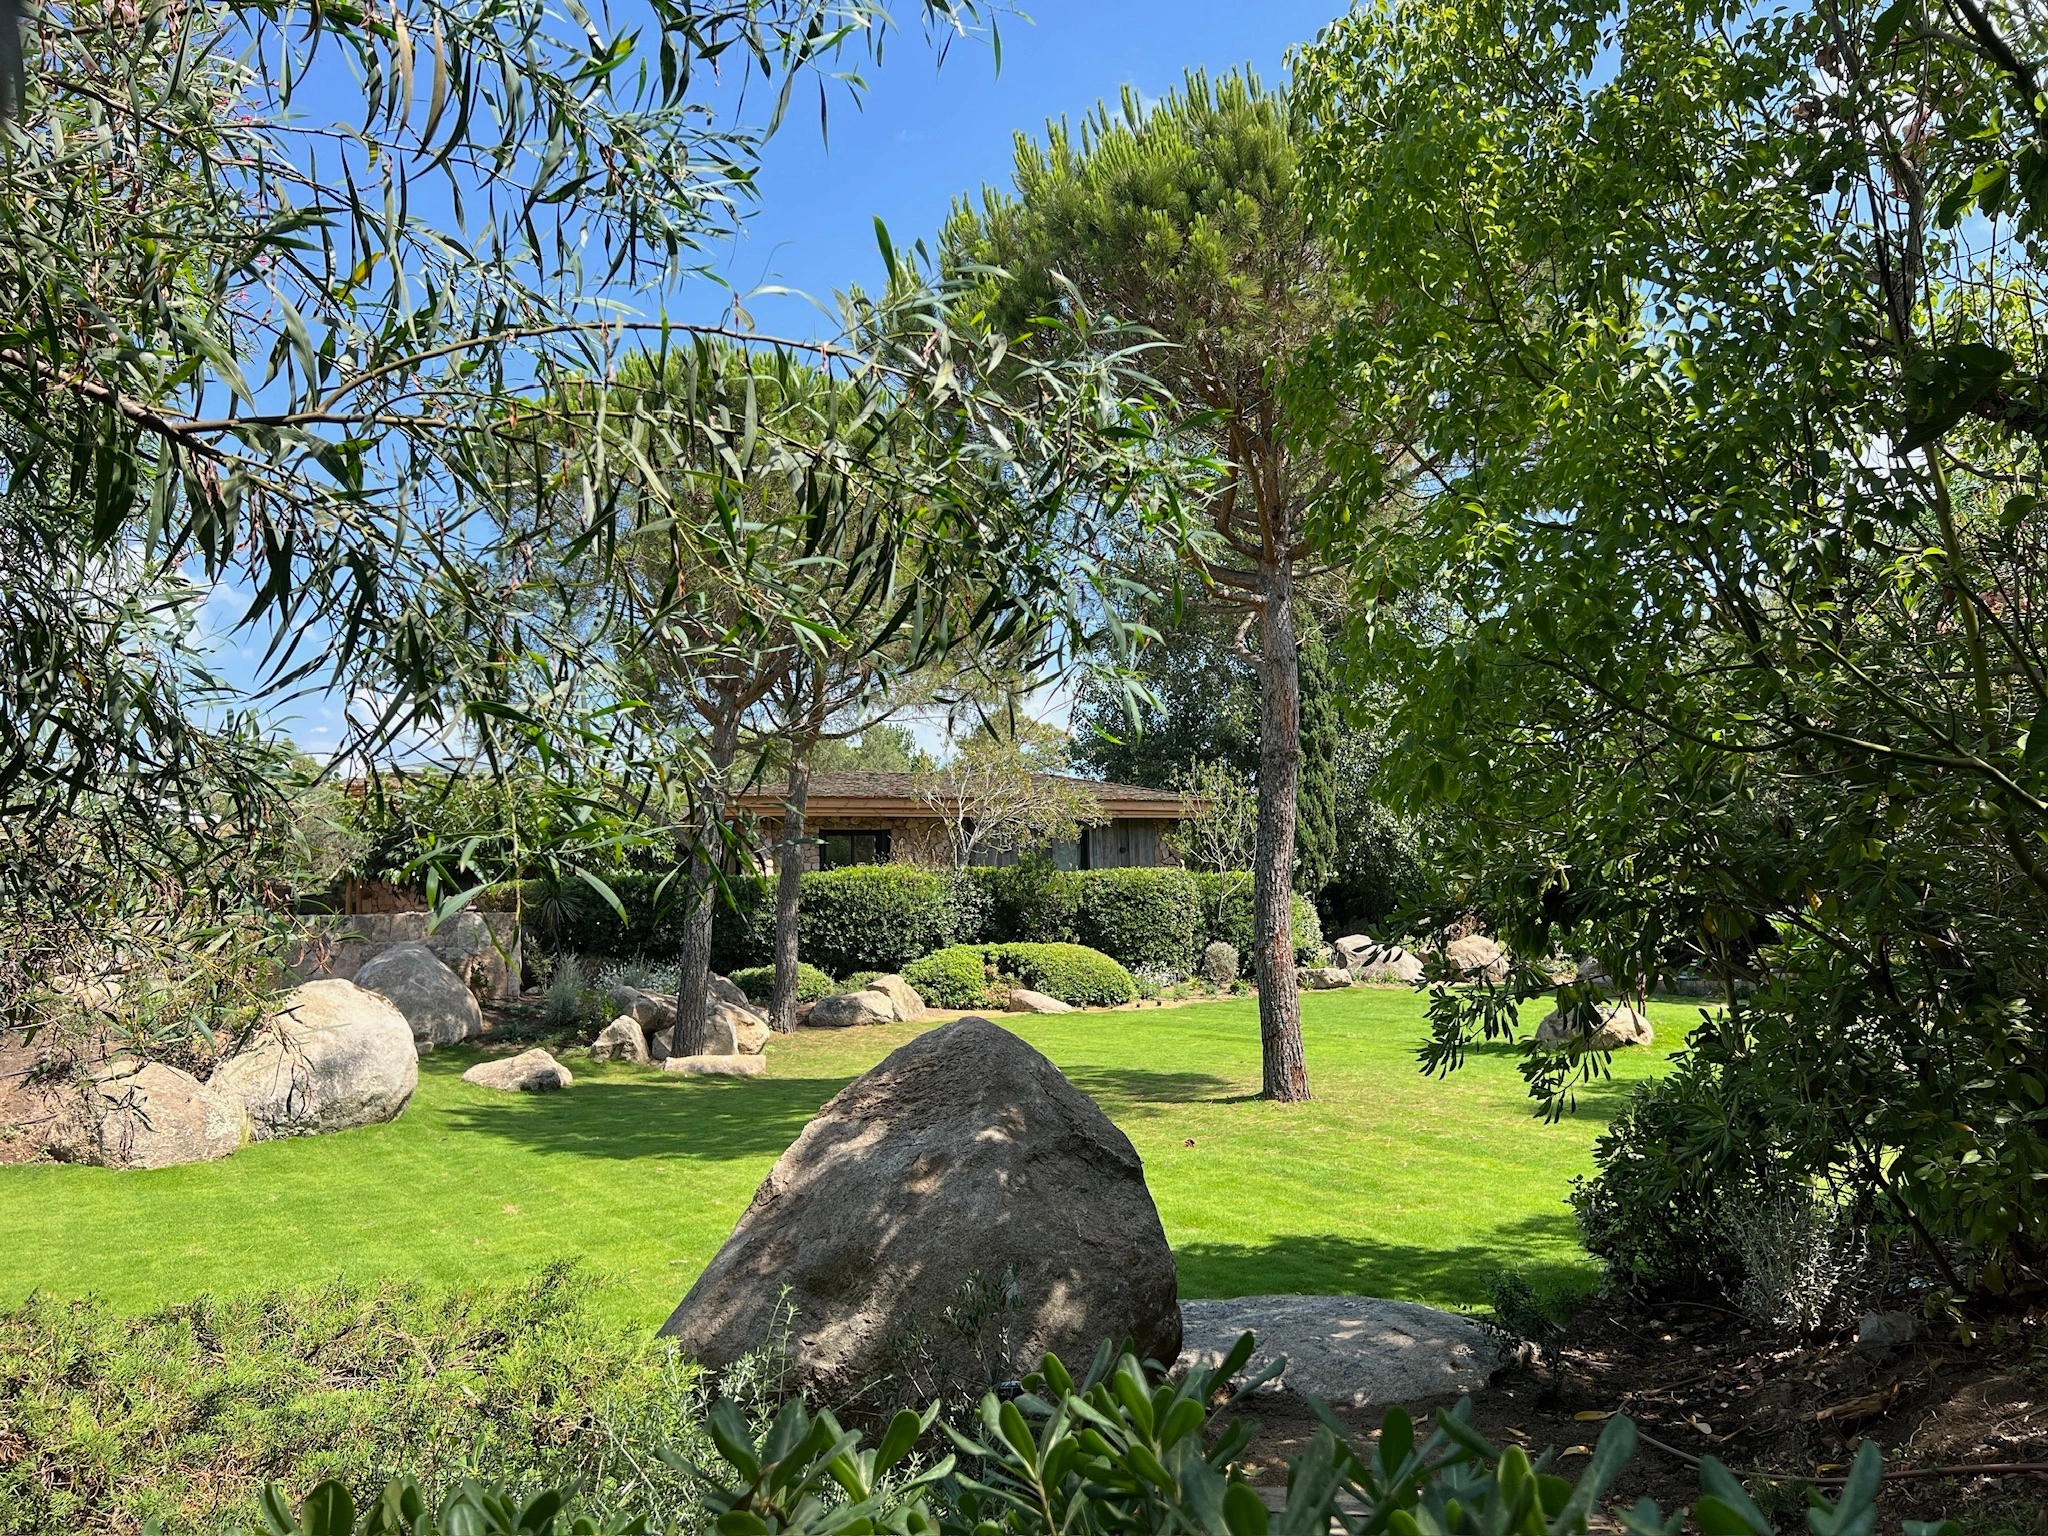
952 977
1144 918
1073 973
758 982
876 917
1028 903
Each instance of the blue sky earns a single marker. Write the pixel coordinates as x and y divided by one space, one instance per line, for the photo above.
920 136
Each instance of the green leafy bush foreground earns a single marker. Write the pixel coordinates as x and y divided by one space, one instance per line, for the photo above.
1119 1453
185 1414
957 976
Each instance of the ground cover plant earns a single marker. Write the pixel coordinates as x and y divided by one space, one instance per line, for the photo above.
1386 1184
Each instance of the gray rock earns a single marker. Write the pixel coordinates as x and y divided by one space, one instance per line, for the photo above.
717 1066
621 1040
963 1160
1024 1000
332 1057
1885 1330
1218 965
1351 1350
532 1071
481 948
146 1115
435 1001
723 989
730 1030
905 998
1322 978
1386 964
843 1010
650 1010
1477 958
1618 1025
1353 948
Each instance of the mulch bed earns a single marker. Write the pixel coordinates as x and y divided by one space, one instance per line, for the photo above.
1698 1382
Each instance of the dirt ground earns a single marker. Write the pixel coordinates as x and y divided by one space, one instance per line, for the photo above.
1780 1412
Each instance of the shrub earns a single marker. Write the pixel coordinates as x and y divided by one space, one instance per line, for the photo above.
182 1414
857 982
1028 903
758 982
879 915
1073 973
1224 915
574 919
1140 917
953 977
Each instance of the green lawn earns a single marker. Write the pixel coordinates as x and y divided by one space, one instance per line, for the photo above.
1387 1183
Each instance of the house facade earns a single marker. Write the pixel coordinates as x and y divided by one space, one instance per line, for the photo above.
884 818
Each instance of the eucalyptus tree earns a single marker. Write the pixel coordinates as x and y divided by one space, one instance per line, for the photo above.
1189 218
1724 644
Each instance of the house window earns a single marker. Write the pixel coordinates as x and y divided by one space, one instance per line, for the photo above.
841 850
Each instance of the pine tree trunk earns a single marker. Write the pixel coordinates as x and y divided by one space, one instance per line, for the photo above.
788 889
1286 1070
692 1030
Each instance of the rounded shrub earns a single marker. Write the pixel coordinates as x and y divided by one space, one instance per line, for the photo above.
879 916
1140 917
953 977
1073 973
758 982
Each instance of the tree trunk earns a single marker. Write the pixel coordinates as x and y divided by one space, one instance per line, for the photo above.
788 888
692 1031
1286 1071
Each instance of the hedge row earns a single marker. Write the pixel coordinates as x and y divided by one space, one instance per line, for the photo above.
883 916
957 976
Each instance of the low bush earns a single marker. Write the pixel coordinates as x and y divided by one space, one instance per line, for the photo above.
1225 915
880 915
1140 917
758 982
1073 973
953 977
183 1414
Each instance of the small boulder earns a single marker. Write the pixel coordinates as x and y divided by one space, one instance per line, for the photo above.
532 1071
1352 950
1618 1025
621 1040
1322 978
1219 964
436 1002
147 1115
1886 1330
1386 963
1475 957
1353 1350
333 1056
963 1160
730 1030
1024 1000
909 1005
716 1066
650 1010
725 991
843 1010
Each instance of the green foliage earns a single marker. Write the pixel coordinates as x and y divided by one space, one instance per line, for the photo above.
1226 914
758 982
1205 704
1143 918
953 977
1030 902
882 748
1073 973
1315 795
880 916
576 919
181 1414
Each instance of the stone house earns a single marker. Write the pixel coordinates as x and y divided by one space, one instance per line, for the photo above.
881 818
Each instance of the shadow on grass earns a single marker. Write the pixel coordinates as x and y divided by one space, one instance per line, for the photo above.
1133 1089
1328 1265
709 1120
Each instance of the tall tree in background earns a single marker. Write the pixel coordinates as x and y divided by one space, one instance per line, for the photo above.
1188 219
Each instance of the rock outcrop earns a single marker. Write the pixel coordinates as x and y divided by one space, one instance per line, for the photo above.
436 1002
963 1164
331 1058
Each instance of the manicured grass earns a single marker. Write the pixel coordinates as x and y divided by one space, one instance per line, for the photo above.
1388 1183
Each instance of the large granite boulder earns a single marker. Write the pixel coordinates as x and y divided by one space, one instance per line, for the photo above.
906 999
533 1071
963 1163
1381 963
1612 1025
621 1040
651 1010
332 1057
436 1002
726 991
1475 957
843 1010
146 1115
481 948
731 1029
